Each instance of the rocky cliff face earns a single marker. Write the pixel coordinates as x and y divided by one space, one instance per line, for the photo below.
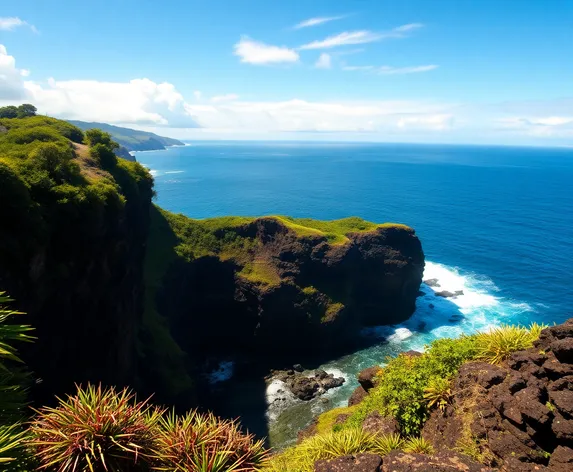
290 294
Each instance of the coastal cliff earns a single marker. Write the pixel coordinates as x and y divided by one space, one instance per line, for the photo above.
122 292
286 287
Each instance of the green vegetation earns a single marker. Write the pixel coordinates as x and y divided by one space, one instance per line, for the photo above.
96 429
23 111
496 346
203 442
327 421
418 445
130 139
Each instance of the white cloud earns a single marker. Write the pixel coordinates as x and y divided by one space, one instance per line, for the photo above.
197 94
317 21
388 70
11 78
255 52
344 39
225 98
24 72
352 68
361 37
324 61
13 22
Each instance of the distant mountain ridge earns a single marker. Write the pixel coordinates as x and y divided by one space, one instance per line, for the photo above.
130 139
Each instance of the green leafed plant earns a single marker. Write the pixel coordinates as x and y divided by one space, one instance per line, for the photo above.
204 443
96 430
497 345
418 445
386 443
438 393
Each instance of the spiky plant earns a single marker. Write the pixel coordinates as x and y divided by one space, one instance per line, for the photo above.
497 345
96 430
418 445
386 443
204 443
438 393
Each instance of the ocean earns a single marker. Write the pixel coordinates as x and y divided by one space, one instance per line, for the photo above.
495 222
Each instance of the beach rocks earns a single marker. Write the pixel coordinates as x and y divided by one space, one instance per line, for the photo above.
367 377
432 282
307 386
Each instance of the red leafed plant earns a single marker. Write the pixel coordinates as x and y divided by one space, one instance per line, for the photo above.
96 430
200 442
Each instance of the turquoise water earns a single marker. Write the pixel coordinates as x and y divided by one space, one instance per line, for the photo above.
496 222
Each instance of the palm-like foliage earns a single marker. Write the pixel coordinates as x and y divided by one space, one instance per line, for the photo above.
96 430
438 393
497 345
386 443
418 445
10 333
200 442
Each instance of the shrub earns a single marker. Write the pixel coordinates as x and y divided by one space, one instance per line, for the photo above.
402 383
96 429
203 442
497 345
104 155
438 393
301 458
386 443
418 445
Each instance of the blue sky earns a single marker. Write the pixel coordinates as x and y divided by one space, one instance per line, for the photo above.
385 70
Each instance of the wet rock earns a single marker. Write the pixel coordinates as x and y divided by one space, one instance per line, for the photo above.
443 461
298 368
374 423
332 382
412 353
367 377
304 388
432 282
448 294
355 463
308 387
320 374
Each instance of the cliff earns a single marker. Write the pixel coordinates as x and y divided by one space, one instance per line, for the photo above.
282 286
130 139
122 292
72 240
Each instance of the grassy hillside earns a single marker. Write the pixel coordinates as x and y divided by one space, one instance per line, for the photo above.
131 139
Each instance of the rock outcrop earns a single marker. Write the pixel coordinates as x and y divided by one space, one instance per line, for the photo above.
519 416
271 285
306 386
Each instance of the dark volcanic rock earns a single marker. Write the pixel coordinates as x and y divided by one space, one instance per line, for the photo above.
374 423
307 387
357 463
448 294
357 396
443 461
319 297
561 460
432 282
367 377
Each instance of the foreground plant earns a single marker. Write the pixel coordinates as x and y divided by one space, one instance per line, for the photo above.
418 445
200 442
497 345
96 430
438 393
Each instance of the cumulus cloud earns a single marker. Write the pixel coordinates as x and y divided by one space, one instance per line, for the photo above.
225 98
434 122
317 21
324 61
255 52
361 37
11 78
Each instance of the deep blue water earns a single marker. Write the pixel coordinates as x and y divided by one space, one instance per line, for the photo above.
494 221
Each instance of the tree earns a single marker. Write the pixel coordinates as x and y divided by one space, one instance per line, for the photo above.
25 110
9 112
97 136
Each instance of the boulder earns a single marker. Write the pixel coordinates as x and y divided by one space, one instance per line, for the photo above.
298 368
432 282
355 463
563 350
448 294
367 377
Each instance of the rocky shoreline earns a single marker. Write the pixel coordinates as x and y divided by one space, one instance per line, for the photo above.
306 385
